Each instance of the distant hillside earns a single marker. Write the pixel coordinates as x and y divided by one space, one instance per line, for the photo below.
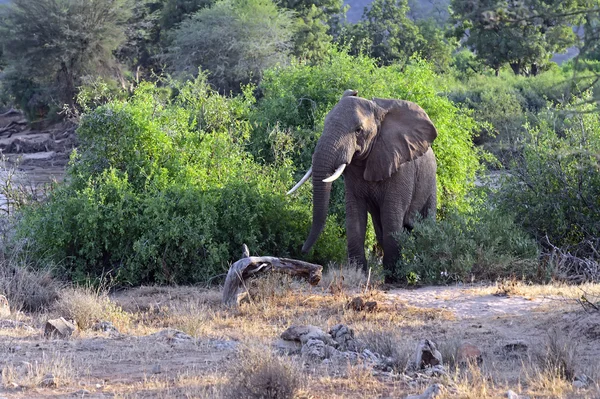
419 9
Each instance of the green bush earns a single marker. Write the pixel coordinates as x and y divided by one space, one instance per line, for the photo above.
296 99
503 104
554 188
484 245
163 191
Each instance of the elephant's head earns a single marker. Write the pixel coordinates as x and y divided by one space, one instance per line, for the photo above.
381 134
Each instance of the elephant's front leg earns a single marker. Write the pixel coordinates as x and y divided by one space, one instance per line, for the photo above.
356 228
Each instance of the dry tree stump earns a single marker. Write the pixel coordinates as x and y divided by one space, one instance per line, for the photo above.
248 266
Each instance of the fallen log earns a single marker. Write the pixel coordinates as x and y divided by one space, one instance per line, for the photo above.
248 266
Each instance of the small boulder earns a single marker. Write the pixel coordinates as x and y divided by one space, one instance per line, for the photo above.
344 336
371 306
581 381
287 347
105 326
48 381
513 395
357 304
433 391
469 354
4 307
303 334
60 328
427 354
314 349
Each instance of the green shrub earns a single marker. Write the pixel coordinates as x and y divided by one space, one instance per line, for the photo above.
484 245
296 99
163 191
554 188
503 104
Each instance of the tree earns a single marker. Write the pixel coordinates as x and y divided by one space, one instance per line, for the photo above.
175 11
52 44
317 21
234 40
142 43
523 34
385 32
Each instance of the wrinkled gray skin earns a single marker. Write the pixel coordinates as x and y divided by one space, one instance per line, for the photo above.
391 171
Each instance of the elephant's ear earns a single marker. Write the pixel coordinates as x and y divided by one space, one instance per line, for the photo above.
406 133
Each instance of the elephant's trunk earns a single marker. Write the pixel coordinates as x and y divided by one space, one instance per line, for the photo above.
328 156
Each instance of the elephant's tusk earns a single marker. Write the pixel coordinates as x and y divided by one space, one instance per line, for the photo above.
301 182
338 172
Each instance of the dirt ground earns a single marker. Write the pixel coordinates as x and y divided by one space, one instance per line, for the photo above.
179 342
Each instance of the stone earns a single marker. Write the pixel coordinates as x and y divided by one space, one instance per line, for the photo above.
305 333
513 395
581 381
314 349
427 354
356 304
4 307
287 347
172 336
433 391
105 326
156 369
48 381
344 336
371 306
60 328
469 354
10 324
515 347
435 371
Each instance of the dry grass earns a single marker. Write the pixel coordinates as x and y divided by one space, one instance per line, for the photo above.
262 375
52 370
553 289
26 288
392 345
87 306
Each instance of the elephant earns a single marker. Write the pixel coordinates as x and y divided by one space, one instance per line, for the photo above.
383 149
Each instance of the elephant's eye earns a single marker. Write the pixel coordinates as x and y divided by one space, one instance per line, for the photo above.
359 129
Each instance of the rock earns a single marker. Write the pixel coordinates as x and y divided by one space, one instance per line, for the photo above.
371 306
15 324
48 381
287 347
156 369
82 392
172 336
433 391
435 371
357 304
60 328
427 355
469 354
513 395
314 349
581 381
515 347
305 333
344 336
105 326
4 307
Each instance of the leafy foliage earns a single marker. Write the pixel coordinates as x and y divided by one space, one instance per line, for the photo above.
51 44
554 188
523 34
234 40
485 245
163 191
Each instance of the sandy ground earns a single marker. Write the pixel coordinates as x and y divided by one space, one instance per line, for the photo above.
150 359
